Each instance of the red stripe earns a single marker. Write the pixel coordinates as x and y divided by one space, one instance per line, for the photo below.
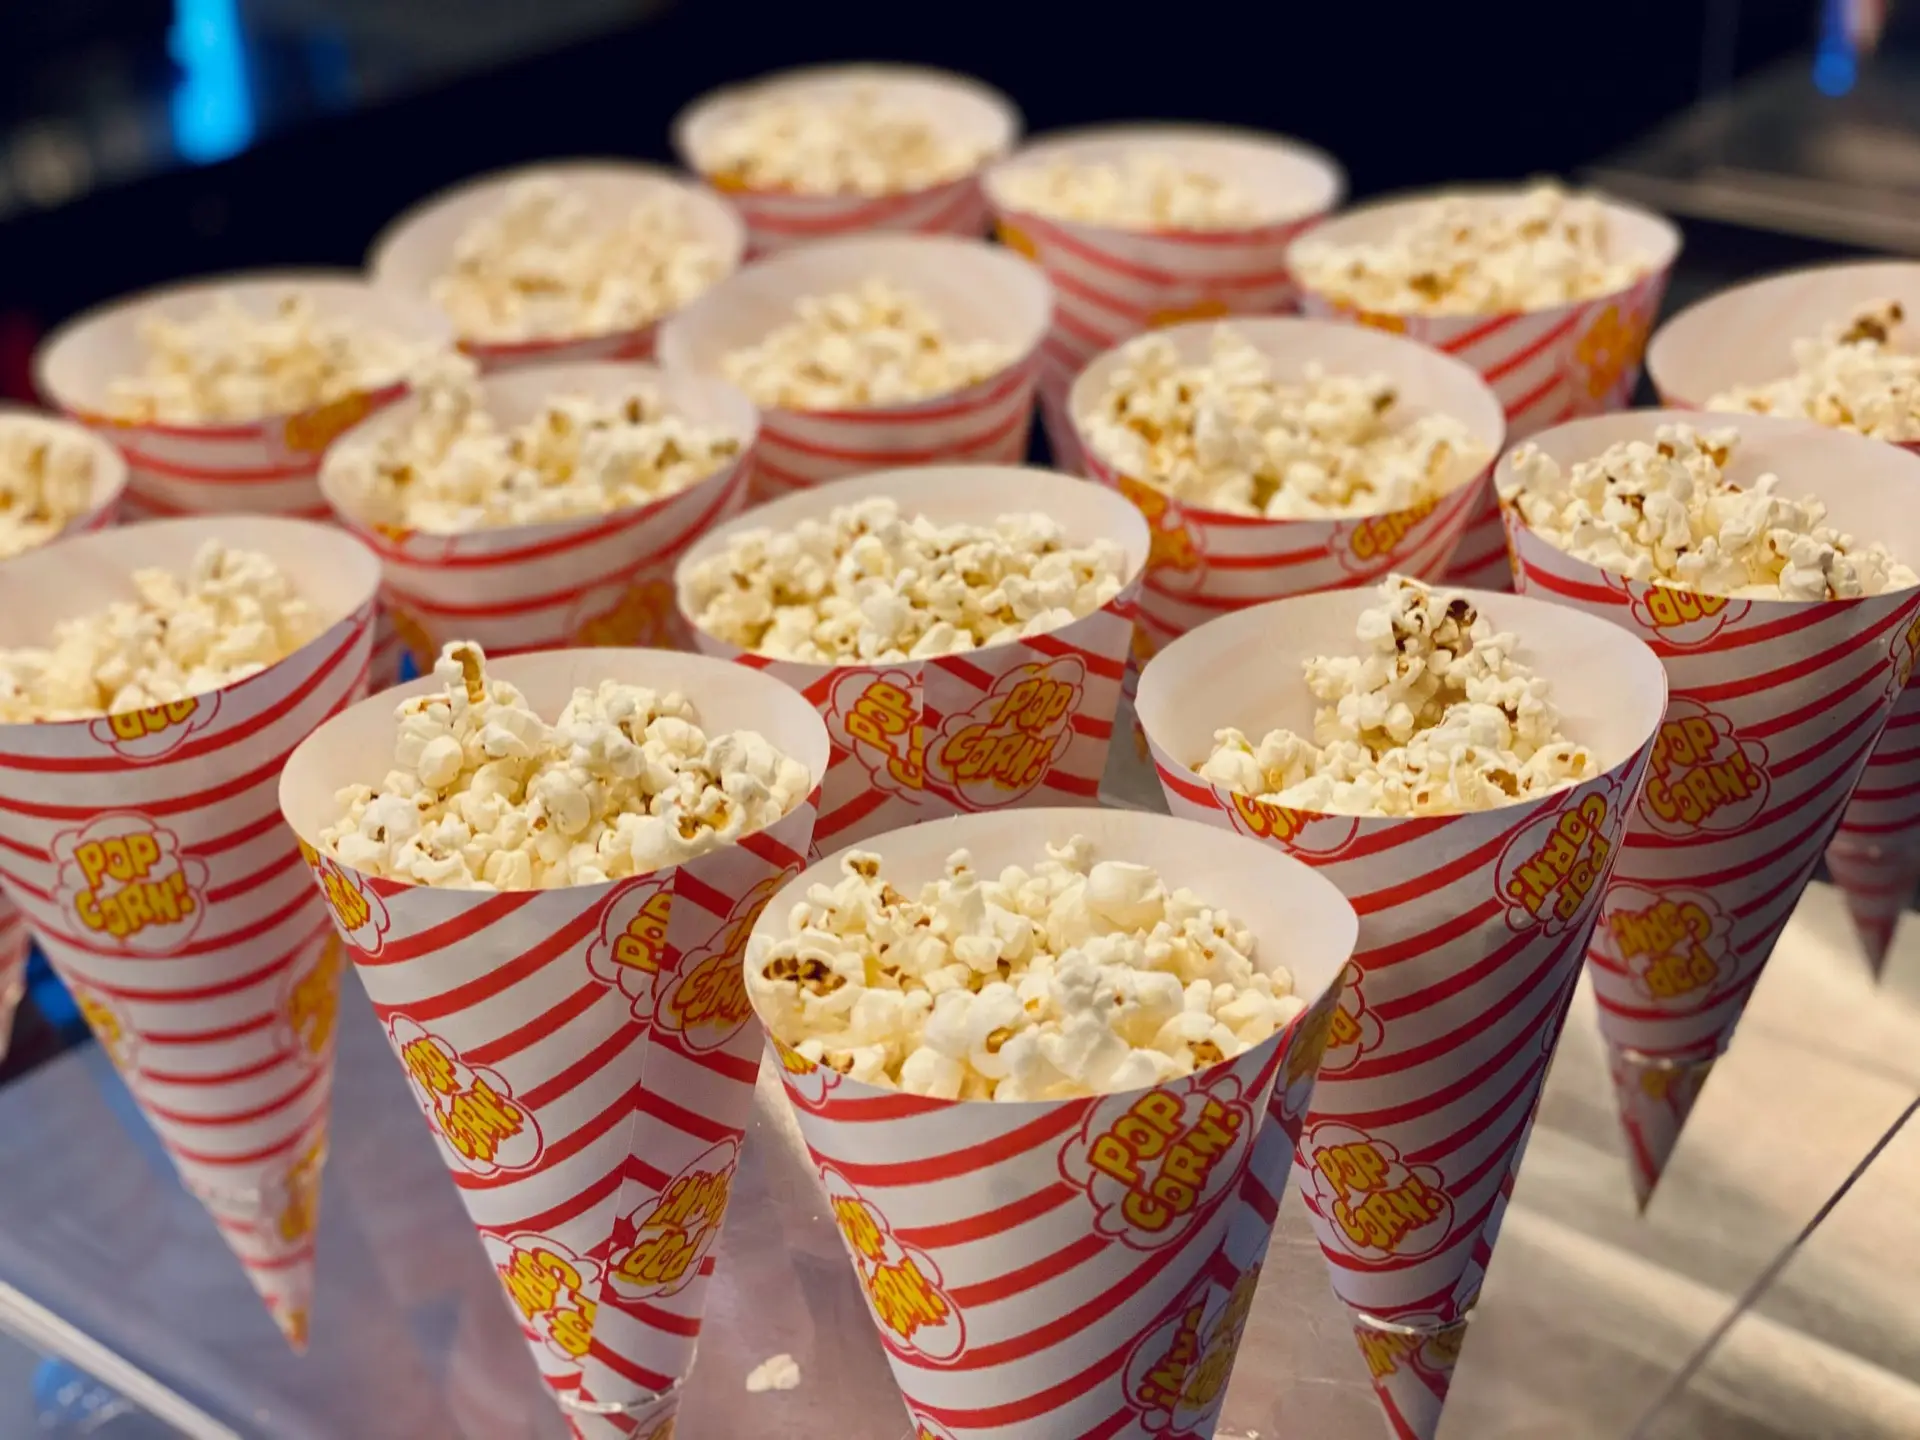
1527 352
572 1208
449 932
1470 337
993 1222
279 1147
502 977
1016 419
240 475
247 884
240 1117
988 1153
1027 1277
538 1028
1799 669
852 812
1485 1120
1065 784
684 1120
601 1057
560 1151
689 887
215 1077
841 216
1414 946
206 945
208 1037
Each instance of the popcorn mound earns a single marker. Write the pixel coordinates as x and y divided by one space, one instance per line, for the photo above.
46 481
485 795
863 142
868 584
1666 513
1075 978
1224 434
1143 190
878 345
1854 377
455 468
1433 717
547 266
230 364
233 614
1478 255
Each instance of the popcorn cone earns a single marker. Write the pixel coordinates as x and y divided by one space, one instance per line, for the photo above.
1111 283
1207 562
962 106
1021 723
1656 1097
1074 1267
417 249
1471 931
582 1055
597 580
109 484
265 467
1547 366
1774 708
148 857
980 293
1745 336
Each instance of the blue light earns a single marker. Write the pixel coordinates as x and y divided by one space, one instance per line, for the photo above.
1834 70
212 106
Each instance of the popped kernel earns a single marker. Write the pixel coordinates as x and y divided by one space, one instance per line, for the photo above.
230 363
865 141
548 265
1225 434
1141 190
47 476
1077 977
866 583
485 795
230 616
1478 255
1666 513
877 345
1435 716
455 467
1857 375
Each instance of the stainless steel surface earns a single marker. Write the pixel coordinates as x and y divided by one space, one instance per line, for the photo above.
1587 1312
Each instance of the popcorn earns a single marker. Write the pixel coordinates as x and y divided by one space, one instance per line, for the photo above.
485 795
776 1372
549 265
867 584
1142 190
1226 435
1434 717
1666 513
1854 377
862 142
878 345
233 614
1477 255
47 475
455 468
230 364
1075 978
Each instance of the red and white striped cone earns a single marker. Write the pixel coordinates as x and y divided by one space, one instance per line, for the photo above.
1547 366
1774 707
265 467
597 580
1112 283
582 1055
979 291
1027 722
147 855
103 510
1472 929
1745 336
417 249
1656 1096
1075 1267
1207 562
966 109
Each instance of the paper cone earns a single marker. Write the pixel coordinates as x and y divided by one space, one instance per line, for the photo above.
1547 366
1066 1267
1027 722
1111 283
1207 562
1656 1097
1472 929
597 580
417 249
1745 336
1774 706
979 293
964 107
582 1055
148 857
